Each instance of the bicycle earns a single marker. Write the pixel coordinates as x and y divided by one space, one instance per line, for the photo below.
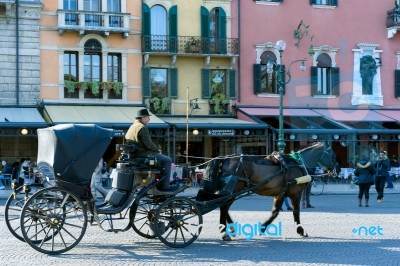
317 186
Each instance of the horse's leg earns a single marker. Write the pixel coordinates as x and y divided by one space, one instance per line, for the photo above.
225 219
276 207
296 198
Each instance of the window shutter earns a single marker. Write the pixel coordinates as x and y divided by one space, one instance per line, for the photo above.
173 82
397 83
205 83
311 2
173 29
257 78
146 87
205 29
232 83
222 31
279 1
146 29
283 71
335 2
335 81
314 80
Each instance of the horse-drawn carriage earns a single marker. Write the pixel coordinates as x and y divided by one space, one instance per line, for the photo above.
52 216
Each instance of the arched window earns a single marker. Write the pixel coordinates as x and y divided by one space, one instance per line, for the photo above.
268 81
92 61
158 24
324 74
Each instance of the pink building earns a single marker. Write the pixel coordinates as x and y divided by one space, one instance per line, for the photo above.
349 93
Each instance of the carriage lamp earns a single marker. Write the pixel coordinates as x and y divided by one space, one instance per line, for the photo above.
283 78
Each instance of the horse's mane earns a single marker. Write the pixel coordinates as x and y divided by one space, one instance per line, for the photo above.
311 147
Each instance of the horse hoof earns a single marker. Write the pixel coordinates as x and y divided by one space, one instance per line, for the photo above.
226 238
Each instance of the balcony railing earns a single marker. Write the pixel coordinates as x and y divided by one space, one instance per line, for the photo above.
88 21
189 45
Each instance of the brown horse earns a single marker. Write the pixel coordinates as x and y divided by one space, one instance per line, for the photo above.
266 177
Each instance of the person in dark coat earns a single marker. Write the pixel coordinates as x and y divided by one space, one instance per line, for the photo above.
139 134
382 172
364 171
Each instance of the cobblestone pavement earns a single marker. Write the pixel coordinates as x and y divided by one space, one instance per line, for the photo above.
331 226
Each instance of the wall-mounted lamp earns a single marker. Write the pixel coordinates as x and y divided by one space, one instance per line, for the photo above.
336 136
194 105
292 136
195 132
24 131
300 32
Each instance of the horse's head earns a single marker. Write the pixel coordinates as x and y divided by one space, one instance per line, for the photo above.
322 155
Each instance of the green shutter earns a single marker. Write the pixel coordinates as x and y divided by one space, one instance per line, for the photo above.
335 81
173 29
205 83
232 83
314 80
257 78
173 82
146 87
146 28
222 31
311 2
397 83
335 2
205 29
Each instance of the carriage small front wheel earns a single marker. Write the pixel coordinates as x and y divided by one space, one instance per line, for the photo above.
141 215
56 213
178 222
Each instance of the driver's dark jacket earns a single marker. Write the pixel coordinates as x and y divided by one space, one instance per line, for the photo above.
139 135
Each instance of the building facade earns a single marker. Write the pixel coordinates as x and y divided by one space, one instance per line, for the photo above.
348 94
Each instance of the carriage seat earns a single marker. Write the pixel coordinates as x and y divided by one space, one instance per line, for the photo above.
149 162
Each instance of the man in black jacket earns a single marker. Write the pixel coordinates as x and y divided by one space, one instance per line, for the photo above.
382 171
139 135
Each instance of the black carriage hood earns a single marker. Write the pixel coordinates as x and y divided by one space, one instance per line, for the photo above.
72 150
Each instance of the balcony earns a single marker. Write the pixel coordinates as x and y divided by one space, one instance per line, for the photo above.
189 45
88 21
393 22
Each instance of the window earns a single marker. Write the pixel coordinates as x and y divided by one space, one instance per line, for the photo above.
324 77
92 19
114 73
324 2
158 28
268 81
114 6
159 82
213 30
71 18
218 83
92 66
70 74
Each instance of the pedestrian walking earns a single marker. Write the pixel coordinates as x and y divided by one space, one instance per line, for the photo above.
382 172
364 173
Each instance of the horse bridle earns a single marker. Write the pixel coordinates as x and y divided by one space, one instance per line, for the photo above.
332 172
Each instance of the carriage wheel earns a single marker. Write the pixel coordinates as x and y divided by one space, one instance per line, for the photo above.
53 213
179 222
13 207
142 216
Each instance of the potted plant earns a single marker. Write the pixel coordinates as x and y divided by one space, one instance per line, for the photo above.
160 105
193 45
70 85
219 103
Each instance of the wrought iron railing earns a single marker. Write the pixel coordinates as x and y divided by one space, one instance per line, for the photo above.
393 18
81 20
189 45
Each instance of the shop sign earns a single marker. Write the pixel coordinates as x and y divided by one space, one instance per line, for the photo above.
221 132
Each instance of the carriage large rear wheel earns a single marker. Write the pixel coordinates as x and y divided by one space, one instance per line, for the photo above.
54 213
142 215
178 222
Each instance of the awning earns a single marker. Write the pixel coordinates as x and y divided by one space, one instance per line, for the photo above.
393 114
29 117
353 115
105 116
275 112
213 123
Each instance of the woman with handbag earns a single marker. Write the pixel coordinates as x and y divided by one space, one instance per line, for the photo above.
364 173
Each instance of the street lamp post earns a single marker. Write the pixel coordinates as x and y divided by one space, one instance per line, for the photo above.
282 80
